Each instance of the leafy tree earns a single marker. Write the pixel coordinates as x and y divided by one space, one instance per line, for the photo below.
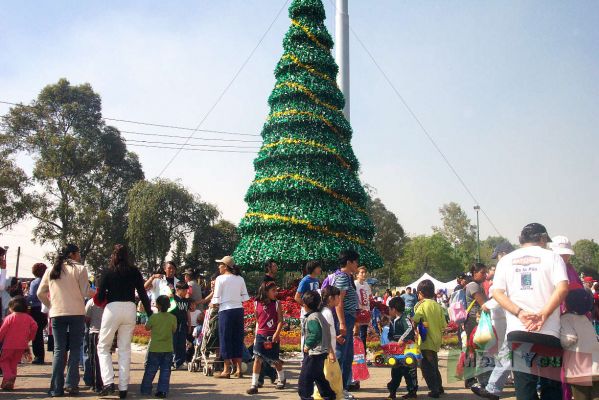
457 229
13 197
432 254
160 213
586 258
82 169
389 236
210 243
178 253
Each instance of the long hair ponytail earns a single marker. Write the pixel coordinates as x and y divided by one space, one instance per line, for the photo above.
63 256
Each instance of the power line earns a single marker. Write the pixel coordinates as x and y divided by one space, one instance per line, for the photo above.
154 124
193 149
192 145
226 89
423 129
194 138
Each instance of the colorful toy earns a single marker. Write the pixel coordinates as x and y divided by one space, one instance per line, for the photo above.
398 354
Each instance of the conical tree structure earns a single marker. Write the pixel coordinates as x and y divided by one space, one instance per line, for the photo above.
306 201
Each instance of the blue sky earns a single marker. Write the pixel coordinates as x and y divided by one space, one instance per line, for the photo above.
509 90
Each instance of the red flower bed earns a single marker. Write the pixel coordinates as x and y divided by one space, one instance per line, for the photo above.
141 331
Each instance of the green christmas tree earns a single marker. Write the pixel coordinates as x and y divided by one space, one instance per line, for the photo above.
306 201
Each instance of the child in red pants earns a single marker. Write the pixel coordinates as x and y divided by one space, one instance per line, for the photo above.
18 329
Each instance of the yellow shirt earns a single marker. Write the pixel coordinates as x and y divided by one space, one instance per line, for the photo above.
431 313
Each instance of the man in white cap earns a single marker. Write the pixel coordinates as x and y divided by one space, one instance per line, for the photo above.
530 283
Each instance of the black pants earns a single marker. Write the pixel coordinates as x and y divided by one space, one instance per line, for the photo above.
313 373
94 363
37 345
409 374
430 371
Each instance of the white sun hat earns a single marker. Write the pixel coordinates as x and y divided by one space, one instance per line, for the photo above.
561 245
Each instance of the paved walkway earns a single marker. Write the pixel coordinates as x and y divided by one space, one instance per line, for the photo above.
33 382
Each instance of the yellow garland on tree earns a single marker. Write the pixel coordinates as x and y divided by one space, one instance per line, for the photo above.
315 183
308 93
309 114
310 143
307 224
310 35
309 68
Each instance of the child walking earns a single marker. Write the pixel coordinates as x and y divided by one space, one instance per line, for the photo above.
17 330
581 348
160 351
332 370
181 312
430 313
401 330
317 346
93 318
269 322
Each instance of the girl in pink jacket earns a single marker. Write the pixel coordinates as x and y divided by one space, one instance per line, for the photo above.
17 330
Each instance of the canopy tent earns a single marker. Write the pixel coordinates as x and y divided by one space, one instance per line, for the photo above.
438 284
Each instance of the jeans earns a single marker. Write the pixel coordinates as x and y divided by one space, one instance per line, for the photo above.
75 326
526 387
155 362
118 316
364 334
345 351
37 345
410 375
501 371
179 342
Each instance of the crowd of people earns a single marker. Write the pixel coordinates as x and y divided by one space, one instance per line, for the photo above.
537 304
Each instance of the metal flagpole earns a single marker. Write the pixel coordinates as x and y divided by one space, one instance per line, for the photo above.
342 51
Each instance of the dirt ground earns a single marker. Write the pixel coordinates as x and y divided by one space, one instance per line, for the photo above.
33 383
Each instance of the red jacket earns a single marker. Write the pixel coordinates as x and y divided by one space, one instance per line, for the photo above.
17 330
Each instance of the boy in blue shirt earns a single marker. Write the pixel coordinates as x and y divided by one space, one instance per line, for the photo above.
401 330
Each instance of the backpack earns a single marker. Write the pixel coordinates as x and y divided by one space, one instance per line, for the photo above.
457 306
330 279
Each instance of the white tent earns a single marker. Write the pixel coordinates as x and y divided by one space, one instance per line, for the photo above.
438 284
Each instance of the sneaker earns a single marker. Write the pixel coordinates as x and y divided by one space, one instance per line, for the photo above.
354 386
122 394
160 395
347 395
410 395
37 361
260 384
434 395
281 384
482 392
107 390
252 390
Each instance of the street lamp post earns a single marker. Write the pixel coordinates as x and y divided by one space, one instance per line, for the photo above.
477 209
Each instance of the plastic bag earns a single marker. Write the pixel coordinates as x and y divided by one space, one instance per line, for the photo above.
485 337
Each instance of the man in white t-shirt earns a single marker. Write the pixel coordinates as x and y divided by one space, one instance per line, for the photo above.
364 292
162 284
530 283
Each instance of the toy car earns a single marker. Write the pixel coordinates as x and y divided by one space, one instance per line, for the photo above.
397 355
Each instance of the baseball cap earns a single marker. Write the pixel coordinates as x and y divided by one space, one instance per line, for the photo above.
588 279
533 232
561 245
503 247
227 260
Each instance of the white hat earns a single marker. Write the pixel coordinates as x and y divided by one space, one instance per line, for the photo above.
561 245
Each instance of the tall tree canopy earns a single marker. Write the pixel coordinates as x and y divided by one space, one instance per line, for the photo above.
586 258
457 229
161 213
82 169
210 243
13 196
306 201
